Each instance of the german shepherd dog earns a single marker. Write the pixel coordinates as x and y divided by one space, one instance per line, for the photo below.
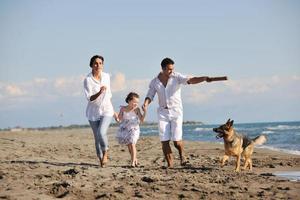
237 145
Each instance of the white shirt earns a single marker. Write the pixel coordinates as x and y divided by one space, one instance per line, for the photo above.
101 106
169 97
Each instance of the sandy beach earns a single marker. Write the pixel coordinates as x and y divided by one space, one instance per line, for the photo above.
53 164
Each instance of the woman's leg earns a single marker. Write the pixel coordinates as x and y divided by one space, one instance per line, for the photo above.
95 127
103 127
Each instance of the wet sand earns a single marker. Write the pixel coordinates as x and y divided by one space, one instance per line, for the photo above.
62 164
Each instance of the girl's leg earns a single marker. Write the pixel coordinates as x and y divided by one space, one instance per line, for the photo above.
134 155
130 148
95 127
103 127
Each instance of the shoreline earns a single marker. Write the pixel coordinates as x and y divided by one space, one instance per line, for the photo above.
63 163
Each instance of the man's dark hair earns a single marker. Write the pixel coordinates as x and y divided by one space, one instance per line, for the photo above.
130 96
165 62
94 58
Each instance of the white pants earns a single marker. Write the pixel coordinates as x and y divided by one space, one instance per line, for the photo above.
169 126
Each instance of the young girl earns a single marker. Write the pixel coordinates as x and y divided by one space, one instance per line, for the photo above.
130 117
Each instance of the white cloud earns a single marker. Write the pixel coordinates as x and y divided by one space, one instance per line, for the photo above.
296 78
40 80
118 82
195 94
14 90
68 86
139 86
249 86
65 87
252 88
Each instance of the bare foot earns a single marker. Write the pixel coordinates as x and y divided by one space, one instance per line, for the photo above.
104 159
132 165
183 161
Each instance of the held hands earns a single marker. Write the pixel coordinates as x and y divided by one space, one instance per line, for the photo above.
116 117
144 108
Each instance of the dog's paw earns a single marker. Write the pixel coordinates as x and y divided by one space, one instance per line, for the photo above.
237 170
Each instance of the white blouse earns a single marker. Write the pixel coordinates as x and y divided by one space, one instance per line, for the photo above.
101 106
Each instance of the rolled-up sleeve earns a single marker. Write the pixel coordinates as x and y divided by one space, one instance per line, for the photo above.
151 91
182 79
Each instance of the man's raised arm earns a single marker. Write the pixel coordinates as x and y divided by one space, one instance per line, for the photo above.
195 80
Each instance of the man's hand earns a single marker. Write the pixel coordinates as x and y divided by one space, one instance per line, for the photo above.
219 78
144 108
208 79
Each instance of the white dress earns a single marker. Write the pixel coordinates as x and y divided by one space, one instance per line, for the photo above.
129 129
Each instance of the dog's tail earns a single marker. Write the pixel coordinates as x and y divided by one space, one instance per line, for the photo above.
259 140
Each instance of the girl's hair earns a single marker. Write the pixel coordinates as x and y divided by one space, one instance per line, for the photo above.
130 96
94 58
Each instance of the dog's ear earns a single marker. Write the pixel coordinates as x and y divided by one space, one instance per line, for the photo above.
228 121
231 123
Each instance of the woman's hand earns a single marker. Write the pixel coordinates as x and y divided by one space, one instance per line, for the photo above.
116 117
95 96
102 89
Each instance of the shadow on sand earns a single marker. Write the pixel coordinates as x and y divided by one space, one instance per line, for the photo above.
50 163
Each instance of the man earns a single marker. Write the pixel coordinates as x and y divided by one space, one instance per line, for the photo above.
167 85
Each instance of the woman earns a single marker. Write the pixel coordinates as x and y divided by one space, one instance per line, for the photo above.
99 109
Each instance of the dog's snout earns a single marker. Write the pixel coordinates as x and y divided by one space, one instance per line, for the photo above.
215 129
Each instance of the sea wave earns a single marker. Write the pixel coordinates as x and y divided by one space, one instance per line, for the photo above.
295 152
148 132
202 129
267 132
292 175
283 127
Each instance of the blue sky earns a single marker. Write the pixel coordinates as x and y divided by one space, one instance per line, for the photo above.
46 47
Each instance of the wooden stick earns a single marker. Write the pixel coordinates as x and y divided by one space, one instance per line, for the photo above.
220 78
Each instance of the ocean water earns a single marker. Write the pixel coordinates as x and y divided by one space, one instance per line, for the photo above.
282 136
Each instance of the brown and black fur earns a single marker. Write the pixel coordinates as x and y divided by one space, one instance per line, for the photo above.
237 145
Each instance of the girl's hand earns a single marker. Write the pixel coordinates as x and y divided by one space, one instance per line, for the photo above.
120 115
136 108
145 107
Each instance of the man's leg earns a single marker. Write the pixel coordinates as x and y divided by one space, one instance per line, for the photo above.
176 130
167 152
164 127
179 146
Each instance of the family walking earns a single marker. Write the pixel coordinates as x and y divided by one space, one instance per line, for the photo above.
167 86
